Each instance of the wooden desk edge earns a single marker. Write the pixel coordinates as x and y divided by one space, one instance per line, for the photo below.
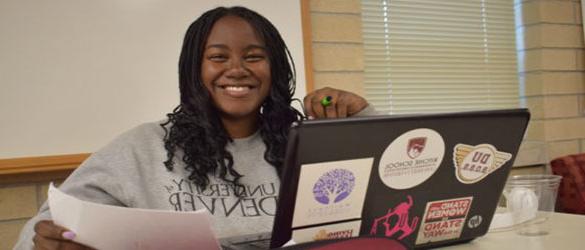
39 168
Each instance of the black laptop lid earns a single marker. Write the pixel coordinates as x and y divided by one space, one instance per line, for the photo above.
434 179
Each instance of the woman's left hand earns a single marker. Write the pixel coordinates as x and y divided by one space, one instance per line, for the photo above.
341 103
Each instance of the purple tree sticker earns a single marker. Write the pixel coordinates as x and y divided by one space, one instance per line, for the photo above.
334 186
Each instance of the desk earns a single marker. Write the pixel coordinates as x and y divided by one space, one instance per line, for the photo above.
567 232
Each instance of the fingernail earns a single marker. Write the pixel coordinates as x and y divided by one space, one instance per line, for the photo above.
310 117
68 235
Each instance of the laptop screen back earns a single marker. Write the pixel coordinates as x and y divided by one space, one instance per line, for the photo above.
423 180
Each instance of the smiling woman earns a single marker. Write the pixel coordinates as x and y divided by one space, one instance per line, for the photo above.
236 80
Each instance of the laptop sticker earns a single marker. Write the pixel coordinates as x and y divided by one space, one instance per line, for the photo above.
397 221
331 191
475 221
412 158
328 232
334 186
443 220
473 163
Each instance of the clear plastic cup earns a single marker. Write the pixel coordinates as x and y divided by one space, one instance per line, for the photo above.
530 199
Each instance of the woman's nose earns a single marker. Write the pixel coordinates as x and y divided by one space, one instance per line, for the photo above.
237 69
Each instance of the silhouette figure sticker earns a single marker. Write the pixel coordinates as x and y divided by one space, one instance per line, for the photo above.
397 222
443 220
331 191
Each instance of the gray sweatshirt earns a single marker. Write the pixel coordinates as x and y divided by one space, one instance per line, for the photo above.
130 172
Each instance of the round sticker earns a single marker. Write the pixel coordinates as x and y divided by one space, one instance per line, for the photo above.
474 221
411 158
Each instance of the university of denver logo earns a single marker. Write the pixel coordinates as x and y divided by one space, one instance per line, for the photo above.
473 163
416 146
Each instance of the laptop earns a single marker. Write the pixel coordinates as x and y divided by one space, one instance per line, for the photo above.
422 180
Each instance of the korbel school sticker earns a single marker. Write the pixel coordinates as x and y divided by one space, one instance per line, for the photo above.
412 158
473 163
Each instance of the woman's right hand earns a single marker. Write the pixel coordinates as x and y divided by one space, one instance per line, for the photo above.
51 236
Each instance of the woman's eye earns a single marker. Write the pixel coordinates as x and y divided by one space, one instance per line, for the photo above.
254 58
217 58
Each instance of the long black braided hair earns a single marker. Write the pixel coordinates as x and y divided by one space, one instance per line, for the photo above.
194 126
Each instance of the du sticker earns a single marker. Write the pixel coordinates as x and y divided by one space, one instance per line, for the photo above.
473 163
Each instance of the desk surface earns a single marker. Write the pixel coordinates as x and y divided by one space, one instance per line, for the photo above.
567 232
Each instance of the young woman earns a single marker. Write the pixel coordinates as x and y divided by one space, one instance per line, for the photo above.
221 149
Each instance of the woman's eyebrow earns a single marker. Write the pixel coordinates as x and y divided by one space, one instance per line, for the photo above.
247 48
219 46
254 46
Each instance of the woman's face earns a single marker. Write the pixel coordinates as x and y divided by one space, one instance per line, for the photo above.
235 68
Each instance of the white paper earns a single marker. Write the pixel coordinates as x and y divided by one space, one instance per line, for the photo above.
291 242
111 227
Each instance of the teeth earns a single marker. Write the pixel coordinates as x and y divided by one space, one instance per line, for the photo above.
236 88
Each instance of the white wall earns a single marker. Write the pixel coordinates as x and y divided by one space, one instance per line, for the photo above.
76 73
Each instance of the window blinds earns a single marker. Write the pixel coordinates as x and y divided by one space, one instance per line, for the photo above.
427 56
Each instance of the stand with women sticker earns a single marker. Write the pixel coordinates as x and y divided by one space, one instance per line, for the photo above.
443 220
412 158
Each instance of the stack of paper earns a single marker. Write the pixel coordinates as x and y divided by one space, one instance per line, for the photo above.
111 227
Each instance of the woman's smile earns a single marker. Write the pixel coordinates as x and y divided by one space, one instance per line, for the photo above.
236 90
